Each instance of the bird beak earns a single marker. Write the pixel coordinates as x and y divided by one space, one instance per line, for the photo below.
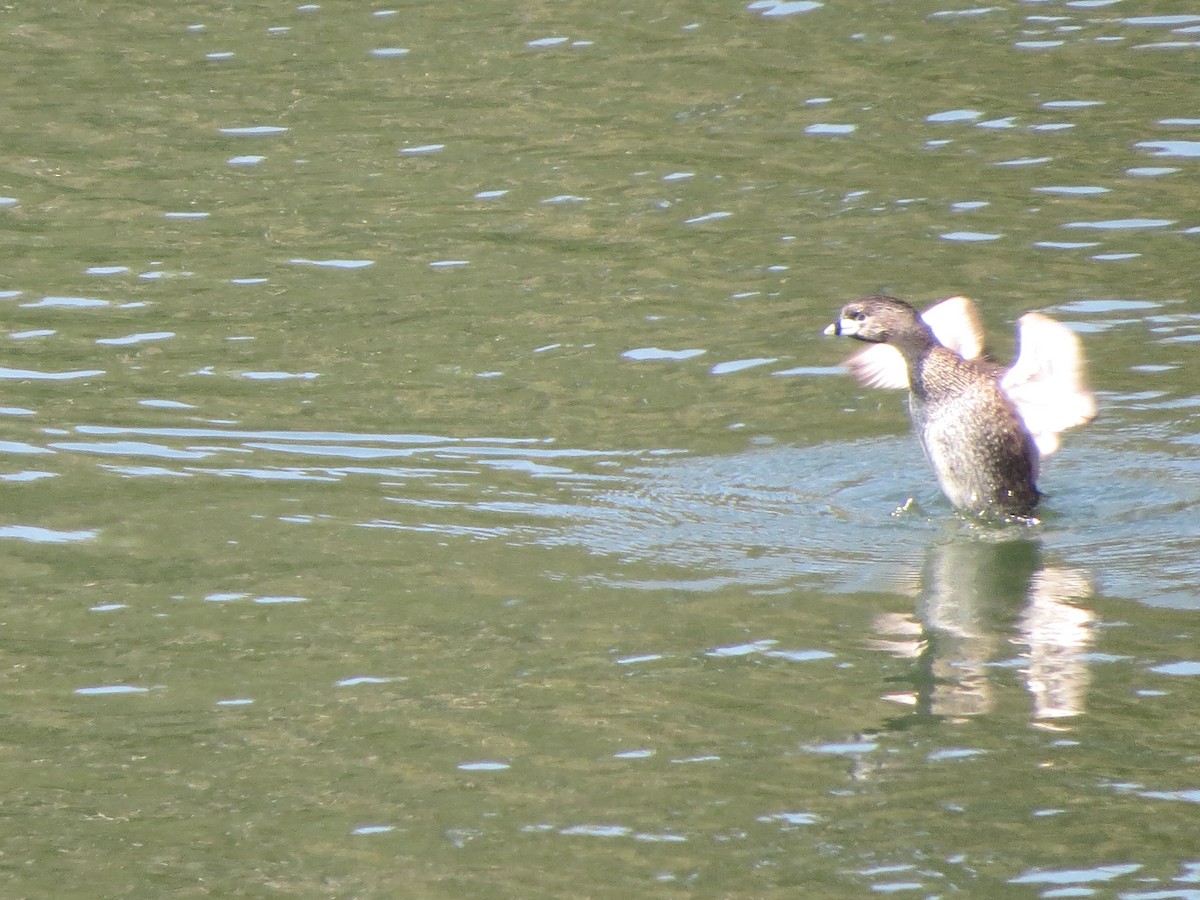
832 329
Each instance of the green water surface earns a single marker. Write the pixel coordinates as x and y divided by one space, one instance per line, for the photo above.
424 476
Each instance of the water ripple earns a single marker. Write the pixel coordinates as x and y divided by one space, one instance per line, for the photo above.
838 514
1171 148
141 338
29 374
129 448
66 302
37 535
1112 224
254 131
778 8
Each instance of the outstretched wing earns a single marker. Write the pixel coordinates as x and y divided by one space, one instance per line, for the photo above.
956 324
1046 382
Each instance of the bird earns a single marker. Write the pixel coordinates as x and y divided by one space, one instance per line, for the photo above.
984 428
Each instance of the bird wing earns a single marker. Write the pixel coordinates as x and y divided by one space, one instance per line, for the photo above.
1046 383
879 366
956 324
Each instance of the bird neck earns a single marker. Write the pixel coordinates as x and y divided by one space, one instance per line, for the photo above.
915 346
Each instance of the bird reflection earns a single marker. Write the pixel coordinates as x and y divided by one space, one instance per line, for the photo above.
979 596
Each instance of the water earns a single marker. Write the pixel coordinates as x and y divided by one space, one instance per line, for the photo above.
424 472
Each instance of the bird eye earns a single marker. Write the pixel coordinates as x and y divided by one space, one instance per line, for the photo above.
858 315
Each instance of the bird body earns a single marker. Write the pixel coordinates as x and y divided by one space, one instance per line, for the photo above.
983 427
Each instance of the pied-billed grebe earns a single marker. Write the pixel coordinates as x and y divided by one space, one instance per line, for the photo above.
984 428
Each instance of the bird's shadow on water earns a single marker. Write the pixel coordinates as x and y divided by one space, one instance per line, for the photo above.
988 604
